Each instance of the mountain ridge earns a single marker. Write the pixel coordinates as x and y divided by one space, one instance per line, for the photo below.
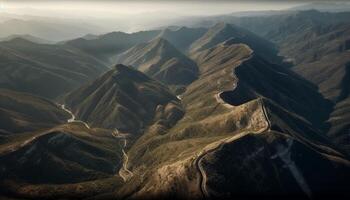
26 65
159 59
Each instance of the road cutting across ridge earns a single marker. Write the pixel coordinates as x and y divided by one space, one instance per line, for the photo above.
72 119
203 177
220 144
124 172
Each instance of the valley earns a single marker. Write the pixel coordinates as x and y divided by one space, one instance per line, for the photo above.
234 106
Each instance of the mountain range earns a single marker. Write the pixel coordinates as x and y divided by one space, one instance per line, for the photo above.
317 45
55 29
255 107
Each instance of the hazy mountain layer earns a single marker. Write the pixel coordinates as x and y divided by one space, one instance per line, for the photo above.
182 37
27 37
52 29
106 47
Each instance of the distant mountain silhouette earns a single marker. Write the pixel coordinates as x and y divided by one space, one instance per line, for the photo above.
107 46
182 37
27 37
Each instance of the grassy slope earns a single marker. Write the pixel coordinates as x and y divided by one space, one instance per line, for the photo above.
68 160
45 70
170 155
43 156
162 61
126 99
22 112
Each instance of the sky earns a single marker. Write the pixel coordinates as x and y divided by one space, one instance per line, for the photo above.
134 15
110 9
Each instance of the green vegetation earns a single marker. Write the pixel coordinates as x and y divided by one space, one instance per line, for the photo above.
45 70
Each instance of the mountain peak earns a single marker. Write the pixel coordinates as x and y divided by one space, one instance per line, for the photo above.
160 41
131 96
159 59
219 33
121 71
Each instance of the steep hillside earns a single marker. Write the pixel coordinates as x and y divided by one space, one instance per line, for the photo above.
280 161
162 61
244 119
125 99
246 125
183 37
326 65
318 45
45 70
20 112
68 161
316 42
339 124
56 154
46 153
231 121
261 78
223 32
62 154
106 47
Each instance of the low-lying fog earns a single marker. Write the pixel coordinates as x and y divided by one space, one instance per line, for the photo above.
60 20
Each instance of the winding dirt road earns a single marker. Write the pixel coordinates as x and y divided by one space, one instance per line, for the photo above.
203 176
72 119
32 139
124 172
203 179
